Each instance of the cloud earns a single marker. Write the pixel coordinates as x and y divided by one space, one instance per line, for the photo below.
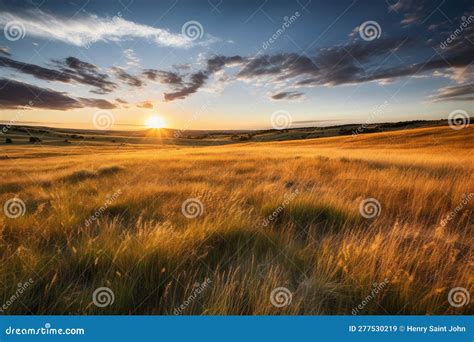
132 58
97 103
15 94
216 63
88 74
183 88
341 64
455 93
121 101
124 76
145 105
5 50
87 29
78 65
410 19
71 70
352 63
414 11
164 77
196 81
288 95
35 70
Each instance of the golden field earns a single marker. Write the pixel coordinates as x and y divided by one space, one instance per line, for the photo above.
317 244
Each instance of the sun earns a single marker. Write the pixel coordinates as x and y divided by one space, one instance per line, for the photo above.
155 122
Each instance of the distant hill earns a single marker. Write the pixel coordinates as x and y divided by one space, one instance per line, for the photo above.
24 134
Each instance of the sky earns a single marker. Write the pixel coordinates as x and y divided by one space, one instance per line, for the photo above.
219 64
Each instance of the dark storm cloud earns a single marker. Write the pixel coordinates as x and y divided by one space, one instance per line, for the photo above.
70 70
124 76
288 95
15 94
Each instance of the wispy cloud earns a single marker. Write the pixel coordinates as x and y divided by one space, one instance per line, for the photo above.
455 93
132 59
287 95
5 50
85 30
145 105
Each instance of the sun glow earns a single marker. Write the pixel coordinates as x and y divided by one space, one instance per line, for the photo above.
155 122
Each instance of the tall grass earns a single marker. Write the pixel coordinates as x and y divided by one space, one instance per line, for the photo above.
316 244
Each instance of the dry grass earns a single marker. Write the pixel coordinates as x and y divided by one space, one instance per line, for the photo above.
317 244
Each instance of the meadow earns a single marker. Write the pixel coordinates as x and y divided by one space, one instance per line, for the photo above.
379 223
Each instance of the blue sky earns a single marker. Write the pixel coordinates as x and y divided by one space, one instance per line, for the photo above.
68 60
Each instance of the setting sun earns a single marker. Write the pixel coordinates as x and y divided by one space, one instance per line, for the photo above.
155 122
